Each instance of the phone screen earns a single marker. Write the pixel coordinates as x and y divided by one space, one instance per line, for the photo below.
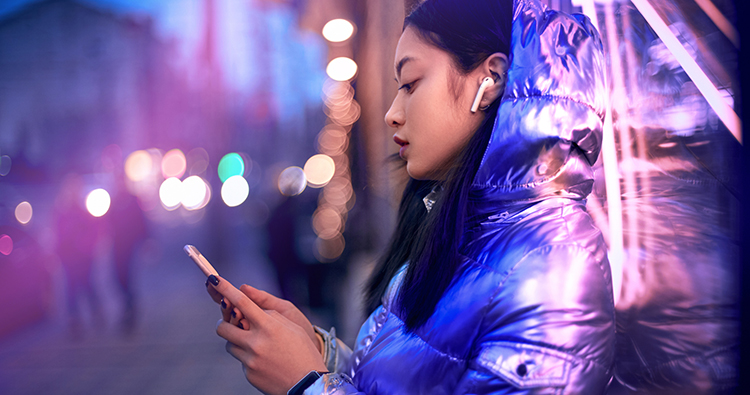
200 260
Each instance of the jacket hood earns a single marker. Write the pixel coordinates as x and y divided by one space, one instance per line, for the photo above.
548 129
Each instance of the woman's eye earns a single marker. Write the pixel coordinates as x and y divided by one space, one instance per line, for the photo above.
409 87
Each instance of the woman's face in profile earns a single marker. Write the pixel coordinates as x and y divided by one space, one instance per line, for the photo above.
431 111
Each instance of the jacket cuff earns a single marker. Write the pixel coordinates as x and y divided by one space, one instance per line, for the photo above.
330 349
331 383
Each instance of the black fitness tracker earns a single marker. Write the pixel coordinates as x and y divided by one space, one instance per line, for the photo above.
306 381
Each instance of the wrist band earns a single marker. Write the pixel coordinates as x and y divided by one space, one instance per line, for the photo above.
329 352
305 382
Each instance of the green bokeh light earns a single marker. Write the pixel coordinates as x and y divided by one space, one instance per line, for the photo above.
231 165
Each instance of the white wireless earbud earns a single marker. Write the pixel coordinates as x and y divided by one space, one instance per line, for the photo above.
486 83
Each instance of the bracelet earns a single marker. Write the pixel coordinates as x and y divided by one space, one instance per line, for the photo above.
321 344
305 382
329 351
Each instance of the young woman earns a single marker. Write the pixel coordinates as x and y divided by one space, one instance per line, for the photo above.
496 280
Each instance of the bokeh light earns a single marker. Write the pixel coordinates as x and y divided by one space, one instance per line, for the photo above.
5 164
97 202
351 201
337 93
24 212
197 161
195 193
338 192
332 140
341 69
170 193
231 165
342 165
292 181
319 170
138 165
235 191
6 245
173 164
326 222
338 30
328 250
344 114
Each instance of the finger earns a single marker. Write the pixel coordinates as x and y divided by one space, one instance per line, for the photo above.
243 324
236 317
239 320
226 309
233 334
232 295
263 299
212 292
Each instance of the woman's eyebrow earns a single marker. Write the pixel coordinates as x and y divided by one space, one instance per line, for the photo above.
400 65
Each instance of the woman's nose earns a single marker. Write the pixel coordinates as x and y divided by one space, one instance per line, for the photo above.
395 115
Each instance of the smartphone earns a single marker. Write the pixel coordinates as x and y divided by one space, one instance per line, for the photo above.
200 260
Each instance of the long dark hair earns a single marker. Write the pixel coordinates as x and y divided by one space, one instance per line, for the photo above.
470 31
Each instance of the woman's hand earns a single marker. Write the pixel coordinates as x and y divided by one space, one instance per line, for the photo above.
275 352
265 301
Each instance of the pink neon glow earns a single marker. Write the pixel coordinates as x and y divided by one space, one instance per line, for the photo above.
6 245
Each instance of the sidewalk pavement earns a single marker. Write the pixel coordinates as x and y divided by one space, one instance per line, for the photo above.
173 350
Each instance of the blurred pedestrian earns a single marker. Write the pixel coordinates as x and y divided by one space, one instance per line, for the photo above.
128 230
77 236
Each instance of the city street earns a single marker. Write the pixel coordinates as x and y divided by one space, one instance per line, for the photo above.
173 350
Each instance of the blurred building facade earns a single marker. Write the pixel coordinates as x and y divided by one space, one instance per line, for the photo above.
75 78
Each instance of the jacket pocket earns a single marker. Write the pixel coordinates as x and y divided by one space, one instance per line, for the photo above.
526 365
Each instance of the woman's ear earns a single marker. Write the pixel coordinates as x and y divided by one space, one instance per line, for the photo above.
496 65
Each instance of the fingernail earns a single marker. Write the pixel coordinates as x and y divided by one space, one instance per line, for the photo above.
213 280
239 324
234 314
223 304
206 283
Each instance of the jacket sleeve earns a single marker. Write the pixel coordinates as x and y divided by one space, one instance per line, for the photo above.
549 328
333 384
337 357
336 354
342 361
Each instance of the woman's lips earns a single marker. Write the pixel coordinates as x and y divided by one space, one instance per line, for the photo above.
403 145
402 151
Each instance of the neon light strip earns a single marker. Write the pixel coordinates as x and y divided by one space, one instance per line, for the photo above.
612 182
590 11
614 205
644 222
618 104
720 21
704 85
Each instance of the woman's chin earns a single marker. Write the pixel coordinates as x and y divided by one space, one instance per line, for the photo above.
414 171
421 174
